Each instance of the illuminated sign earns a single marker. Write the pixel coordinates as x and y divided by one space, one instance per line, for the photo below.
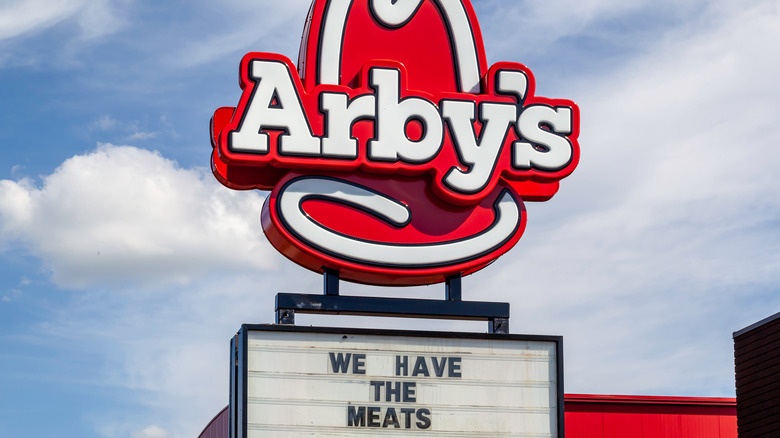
301 381
393 154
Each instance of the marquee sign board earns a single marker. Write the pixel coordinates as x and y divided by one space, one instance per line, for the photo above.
394 154
300 381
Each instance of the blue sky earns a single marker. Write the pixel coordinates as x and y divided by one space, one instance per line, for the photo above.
125 267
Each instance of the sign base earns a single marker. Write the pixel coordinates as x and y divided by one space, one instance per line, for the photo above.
331 303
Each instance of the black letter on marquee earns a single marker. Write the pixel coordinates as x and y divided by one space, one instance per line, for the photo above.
407 417
439 367
373 416
358 364
420 367
454 370
340 363
356 418
391 391
391 418
425 421
377 388
409 392
401 364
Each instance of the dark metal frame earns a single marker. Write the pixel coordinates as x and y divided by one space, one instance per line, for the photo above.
453 307
239 351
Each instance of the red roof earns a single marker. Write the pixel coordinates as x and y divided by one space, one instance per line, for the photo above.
219 426
619 416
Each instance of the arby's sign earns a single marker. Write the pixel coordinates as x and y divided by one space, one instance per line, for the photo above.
394 154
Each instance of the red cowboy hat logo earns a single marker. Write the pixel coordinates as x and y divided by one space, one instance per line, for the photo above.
393 154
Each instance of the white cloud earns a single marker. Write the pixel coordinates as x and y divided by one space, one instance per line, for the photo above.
133 131
141 135
95 17
122 214
104 123
99 18
245 26
152 432
23 16
535 26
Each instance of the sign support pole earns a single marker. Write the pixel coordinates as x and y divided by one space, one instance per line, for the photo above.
453 307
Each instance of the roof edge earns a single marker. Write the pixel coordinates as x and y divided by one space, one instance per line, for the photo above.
650 400
757 325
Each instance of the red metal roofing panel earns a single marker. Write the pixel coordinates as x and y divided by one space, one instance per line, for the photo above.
727 426
649 417
620 425
701 425
579 425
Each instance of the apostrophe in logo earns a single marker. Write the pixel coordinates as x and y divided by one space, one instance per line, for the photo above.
394 155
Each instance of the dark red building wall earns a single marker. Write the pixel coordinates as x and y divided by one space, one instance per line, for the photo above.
218 427
757 366
600 416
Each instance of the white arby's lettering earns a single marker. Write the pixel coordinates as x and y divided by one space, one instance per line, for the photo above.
275 105
393 114
546 148
341 115
541 130
480 154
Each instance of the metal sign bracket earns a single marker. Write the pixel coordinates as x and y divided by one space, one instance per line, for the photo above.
452 307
